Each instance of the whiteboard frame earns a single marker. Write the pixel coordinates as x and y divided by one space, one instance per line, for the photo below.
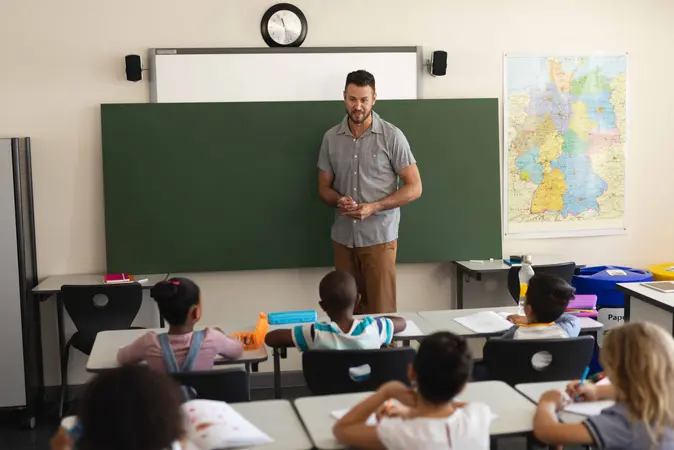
154 52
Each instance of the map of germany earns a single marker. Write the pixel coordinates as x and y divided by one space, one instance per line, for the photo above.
565 125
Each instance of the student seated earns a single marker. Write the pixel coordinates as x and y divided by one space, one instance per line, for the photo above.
547 299
428 417
639 359
182 348
130 408
339 296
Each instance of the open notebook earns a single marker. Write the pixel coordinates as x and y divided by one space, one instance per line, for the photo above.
485 322
589 408
210 425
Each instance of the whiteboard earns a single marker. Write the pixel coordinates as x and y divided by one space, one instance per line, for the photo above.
266 74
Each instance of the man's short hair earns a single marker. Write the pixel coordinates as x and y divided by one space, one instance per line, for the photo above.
360 78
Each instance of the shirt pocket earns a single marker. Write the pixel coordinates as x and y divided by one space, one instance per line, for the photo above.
378 164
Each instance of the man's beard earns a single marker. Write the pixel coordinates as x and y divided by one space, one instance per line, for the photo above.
366 115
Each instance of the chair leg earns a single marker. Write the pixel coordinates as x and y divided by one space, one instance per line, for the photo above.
64 378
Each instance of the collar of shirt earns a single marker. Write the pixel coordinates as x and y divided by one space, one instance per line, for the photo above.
375 128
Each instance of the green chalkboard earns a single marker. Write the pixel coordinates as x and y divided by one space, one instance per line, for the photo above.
233 186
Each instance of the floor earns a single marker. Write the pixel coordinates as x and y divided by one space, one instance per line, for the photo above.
14 437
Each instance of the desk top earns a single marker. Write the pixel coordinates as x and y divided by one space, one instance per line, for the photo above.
278 419
533 392
444 320
497 265
515 413
417 326
104 354
52 285
648 295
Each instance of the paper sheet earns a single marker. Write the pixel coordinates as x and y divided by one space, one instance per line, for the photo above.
371 421
410 330
485 322
589 408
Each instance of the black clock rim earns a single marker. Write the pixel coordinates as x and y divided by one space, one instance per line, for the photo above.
264 29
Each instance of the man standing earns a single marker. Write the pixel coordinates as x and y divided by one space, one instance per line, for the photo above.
359 165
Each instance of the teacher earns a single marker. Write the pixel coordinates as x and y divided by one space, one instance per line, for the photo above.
359 165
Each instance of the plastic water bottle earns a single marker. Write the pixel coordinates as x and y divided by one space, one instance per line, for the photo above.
526 272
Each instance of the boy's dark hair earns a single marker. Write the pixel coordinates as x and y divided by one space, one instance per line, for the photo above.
175 297
338 291
130 408
442 366
548 295
360 78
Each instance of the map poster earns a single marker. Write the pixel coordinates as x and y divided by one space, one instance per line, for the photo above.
565 145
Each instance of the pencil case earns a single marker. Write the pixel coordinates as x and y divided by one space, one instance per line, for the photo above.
282 317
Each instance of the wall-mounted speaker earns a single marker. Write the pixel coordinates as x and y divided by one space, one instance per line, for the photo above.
437 66
134 70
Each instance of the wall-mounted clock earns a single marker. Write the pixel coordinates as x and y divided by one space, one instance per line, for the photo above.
284 25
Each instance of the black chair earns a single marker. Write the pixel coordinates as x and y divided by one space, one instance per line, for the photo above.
229 385
93 309
327 371
563 270
514 361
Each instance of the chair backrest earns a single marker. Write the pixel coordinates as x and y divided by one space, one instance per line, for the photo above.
341 371
99 307
228 385
562 270
528 361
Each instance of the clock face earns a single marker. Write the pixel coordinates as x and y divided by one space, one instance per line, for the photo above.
284 27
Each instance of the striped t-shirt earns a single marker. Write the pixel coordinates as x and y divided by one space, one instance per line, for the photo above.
366 334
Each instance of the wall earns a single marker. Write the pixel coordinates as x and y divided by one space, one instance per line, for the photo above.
62 59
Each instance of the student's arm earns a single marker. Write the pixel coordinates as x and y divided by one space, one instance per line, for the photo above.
352 429
549 430
225 345
569 323
399 323
302 337
279 338
136 351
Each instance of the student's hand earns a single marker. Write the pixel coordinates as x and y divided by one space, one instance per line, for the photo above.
61 440
346 203
392 410
398 391
362 211
585 393
460 404
557 398
517 319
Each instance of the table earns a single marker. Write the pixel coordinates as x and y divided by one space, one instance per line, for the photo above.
465 270
279 420
444 321
515 413
645 304
417 328
104 354
533 392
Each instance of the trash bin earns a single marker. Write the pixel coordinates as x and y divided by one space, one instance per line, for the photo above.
601 281
662 272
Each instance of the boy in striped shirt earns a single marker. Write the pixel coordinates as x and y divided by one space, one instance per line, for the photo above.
339 296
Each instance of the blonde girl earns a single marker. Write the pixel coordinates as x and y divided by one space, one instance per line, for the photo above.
639 360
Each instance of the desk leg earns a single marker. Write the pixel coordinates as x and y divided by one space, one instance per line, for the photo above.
406 343
247 367
277 372
626 314
64 362
459 287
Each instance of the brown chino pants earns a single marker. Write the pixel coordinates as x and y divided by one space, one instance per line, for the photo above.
374 268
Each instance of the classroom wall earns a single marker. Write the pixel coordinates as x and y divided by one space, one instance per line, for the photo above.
62 59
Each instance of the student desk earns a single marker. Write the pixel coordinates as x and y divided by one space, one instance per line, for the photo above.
417 328
444 321
278 419
515 413
648 305
104 354
465 270
533 392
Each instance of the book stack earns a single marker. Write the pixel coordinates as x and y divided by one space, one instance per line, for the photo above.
583 305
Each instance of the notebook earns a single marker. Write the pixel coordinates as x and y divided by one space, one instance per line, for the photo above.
589 408
116 278
662 286
485 322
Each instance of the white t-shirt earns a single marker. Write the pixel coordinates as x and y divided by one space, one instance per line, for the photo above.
466 429
368 333
540 331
